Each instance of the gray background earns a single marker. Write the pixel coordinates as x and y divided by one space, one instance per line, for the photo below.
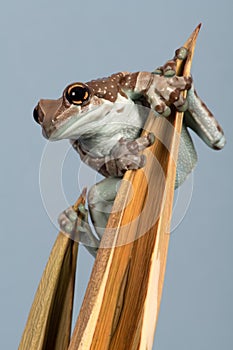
44 46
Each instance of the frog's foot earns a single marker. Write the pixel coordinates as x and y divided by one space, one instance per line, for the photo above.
125 155
169 68
167 91
79 231
174 86
181 53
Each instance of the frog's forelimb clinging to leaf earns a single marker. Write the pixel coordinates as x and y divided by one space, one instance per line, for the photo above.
104 118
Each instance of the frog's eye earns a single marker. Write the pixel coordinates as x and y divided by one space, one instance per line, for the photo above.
77 94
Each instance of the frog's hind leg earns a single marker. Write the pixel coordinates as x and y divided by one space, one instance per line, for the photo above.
70 224
199 118
100 200
101 197
187 157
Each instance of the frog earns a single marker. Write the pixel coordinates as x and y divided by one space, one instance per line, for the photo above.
103 119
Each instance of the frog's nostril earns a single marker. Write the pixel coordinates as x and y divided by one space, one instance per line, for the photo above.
38 114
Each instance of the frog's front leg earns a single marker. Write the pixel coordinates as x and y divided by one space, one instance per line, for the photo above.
160 91
125 155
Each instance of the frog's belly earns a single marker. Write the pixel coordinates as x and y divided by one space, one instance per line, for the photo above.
125 120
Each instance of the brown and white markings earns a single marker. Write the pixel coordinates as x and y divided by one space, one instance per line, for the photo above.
103 119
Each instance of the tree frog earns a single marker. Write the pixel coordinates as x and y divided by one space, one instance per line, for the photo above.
103 120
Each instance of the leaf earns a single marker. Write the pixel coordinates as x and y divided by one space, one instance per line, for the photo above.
49 322
122 301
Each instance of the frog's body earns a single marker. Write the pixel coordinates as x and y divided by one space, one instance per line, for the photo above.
103 119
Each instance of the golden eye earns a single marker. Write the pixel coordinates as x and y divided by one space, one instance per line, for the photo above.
77 94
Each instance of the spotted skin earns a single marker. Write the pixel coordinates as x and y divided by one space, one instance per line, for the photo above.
158 90
104 122
107 88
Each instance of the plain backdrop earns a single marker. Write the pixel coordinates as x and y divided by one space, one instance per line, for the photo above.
44 46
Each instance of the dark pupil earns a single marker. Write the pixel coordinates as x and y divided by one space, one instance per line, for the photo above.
77 94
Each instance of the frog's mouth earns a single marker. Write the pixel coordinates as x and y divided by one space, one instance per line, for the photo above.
68 122
106 119
84 122
47 113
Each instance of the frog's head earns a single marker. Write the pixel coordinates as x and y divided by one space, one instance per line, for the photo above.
77 112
